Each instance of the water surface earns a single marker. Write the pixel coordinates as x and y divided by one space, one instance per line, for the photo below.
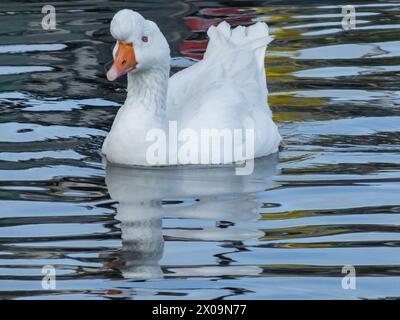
330 199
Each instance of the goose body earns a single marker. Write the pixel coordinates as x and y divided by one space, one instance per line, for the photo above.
225 93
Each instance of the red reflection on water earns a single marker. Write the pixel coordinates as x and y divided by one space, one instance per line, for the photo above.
193 48
234 16
202 24
227 11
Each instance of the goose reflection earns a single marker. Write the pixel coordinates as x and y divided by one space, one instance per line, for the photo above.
145 195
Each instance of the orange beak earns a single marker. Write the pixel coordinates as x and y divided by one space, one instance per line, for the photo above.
125 61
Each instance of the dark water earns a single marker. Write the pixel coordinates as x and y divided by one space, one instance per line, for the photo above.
285 232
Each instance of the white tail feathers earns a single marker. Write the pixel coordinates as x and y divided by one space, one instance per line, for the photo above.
254 38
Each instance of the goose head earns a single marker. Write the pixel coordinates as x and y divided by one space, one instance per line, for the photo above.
140 45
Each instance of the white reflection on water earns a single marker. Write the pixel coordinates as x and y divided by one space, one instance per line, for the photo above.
219 193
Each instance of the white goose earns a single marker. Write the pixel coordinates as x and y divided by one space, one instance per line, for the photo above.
225 90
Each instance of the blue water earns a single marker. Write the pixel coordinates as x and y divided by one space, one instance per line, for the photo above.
330 199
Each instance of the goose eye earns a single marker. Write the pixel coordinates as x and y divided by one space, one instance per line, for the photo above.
145 39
